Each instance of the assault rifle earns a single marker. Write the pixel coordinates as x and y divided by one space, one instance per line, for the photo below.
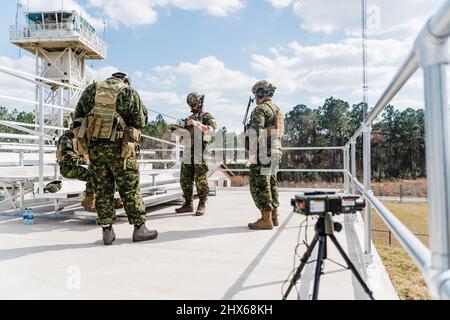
250 102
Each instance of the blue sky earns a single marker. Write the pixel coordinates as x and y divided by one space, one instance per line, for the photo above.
309 48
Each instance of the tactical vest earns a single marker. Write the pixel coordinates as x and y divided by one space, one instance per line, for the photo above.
104 120
278 123
78 148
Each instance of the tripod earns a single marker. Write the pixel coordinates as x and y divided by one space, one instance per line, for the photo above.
325 228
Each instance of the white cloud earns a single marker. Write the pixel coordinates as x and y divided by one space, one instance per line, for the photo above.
103 72
160 99
13 87
129 13
334 69
143 12
219 8
280 3
384 16
136 12
226 90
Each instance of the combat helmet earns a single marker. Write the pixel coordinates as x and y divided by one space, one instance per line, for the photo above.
264 88
123 76
54 186
194 99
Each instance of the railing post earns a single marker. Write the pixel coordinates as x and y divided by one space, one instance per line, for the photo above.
353 162
433 52
346 169
61 111
21 159
368 186
41 140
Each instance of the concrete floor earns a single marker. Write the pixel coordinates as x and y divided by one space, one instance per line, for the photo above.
212 257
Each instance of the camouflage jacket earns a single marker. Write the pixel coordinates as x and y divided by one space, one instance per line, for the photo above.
262 118
68 155
129 105
207 120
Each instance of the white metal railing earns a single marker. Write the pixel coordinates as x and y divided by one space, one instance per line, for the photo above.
58 32
430 53
340 171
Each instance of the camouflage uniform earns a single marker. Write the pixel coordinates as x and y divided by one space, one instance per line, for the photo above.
70 163
197 173
108 166
263 177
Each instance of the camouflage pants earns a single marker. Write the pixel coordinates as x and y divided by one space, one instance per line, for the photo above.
71 170
198 174
107 171
263 187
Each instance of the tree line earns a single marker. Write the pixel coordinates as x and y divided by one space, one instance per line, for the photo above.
398 140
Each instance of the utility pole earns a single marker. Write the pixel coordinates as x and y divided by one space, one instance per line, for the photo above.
364 56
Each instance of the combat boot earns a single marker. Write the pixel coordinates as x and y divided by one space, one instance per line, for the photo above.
201 210
265 223
141 233
186 208
89 203
275 215
108 235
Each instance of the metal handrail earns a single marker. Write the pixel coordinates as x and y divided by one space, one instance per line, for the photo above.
35 79
284 149
170 143
58 31
430 52
416 249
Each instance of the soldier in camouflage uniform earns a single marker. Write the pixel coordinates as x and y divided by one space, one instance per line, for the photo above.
113 117
72 165
267 122
194 169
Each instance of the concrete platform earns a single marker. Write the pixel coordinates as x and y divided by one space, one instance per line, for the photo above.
212 257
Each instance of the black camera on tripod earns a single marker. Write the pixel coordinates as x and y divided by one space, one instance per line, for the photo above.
325 205
320 203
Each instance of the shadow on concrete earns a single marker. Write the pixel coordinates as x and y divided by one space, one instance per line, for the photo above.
239 284
169 236
17 227
169 215
10 254
196 234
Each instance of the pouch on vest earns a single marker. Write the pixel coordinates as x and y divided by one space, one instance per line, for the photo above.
130 144
102 117
278 125
58 155
79 143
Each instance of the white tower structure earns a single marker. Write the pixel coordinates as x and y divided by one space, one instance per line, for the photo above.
61 41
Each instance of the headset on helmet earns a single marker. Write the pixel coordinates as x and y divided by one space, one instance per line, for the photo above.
123 76
263 88
194 99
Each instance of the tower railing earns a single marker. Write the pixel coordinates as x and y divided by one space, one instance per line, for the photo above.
54 31
430 53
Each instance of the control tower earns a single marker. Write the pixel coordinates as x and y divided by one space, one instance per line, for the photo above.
61 41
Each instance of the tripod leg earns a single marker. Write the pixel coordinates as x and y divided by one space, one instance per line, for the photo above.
320 259
304 261
352 267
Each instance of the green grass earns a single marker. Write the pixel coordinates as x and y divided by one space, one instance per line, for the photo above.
406 277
